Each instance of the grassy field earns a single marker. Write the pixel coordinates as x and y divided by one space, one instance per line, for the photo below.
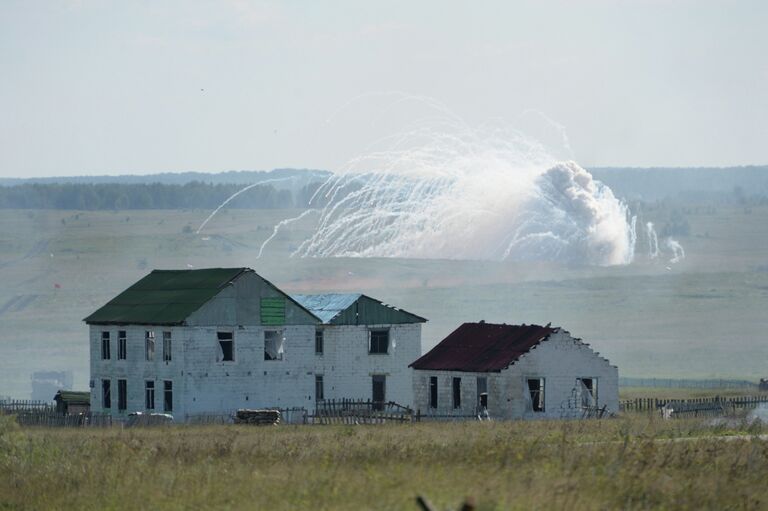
701 318
634 462
683 393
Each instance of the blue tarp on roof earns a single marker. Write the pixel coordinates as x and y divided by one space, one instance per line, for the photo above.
354 309
327 306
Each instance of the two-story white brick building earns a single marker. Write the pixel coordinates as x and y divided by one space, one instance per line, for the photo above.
514 372
211 341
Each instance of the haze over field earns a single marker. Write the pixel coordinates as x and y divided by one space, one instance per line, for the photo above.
513 162
59 265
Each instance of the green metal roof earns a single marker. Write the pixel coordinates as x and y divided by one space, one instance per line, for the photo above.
165 297
354 309
73 397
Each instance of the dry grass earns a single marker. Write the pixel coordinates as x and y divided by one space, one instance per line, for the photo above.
624 463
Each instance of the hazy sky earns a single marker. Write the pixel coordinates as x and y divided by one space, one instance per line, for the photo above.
138 87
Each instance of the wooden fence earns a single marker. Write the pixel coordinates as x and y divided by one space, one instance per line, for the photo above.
445 417
694 406
51 419
687 383
24 405
42 413
358 411
296 415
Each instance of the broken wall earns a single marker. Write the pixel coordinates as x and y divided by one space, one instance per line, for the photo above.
560 361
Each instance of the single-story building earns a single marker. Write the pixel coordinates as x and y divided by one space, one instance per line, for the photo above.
513 372
71 402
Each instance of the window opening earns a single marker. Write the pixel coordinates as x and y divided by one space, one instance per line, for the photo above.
149 395
149 345
319 391
433 391
482 396
319 341
379 342
167 356
122 345
457 392
168 396
587 388
482 385
106 394
226 346
105 345
273 345
536 394
122 394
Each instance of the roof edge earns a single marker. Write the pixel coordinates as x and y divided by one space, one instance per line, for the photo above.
545 336
243 269
419 318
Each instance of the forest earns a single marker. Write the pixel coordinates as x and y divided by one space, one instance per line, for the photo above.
130 196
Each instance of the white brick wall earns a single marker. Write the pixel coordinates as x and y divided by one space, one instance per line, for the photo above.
469 394
135 368
347 367
202 383
560 360
249 381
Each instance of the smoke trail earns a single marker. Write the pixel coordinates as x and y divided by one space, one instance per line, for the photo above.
233 196
279 225
653 241
469 193
632 237
678 253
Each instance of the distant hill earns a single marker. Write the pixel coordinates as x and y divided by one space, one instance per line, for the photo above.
292 188
121 196
242 177
279 188
691 183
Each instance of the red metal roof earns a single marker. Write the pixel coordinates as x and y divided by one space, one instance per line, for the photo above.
482 347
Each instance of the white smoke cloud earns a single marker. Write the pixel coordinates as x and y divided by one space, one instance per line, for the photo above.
487 194
572 218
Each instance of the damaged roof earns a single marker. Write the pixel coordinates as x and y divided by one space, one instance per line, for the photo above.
354 309
482 347
165 297
327 306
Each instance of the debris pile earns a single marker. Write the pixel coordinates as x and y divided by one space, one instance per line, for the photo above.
258 417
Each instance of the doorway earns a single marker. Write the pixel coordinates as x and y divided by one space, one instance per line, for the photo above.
379 391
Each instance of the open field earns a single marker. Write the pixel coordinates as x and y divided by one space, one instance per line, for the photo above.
634 462
683 393
701 318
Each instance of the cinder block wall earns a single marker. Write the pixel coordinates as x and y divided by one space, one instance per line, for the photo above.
560 360
347 366
249 381
202 382
468 388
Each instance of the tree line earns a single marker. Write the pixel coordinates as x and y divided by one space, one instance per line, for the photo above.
123 196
